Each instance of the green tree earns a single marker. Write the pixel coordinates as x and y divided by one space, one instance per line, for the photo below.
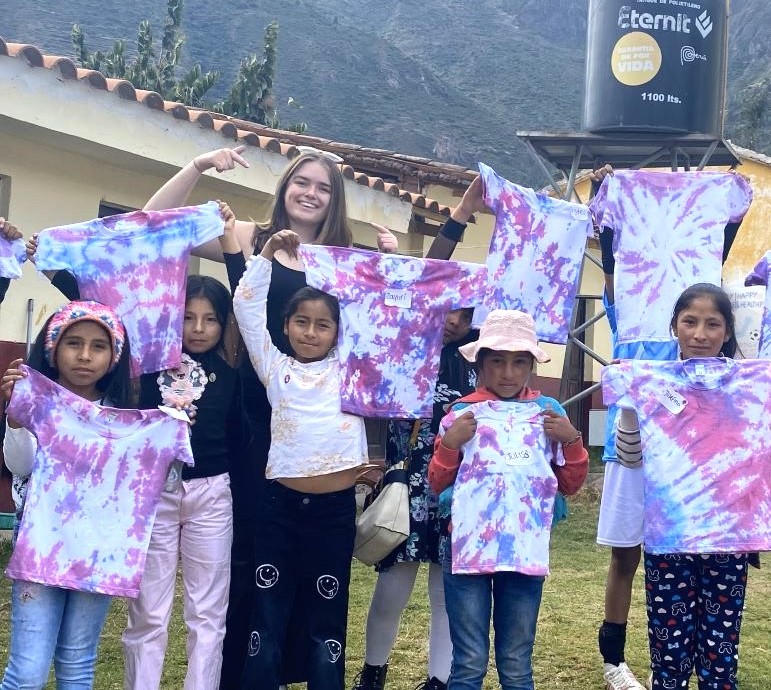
250 96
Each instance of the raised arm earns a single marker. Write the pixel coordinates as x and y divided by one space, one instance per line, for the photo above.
177 190
472 202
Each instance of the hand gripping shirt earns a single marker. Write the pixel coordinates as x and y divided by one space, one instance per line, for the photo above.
668 235
309 435
392 311
13 253
705 426
759 276
535 256
97 477
503 496
137 264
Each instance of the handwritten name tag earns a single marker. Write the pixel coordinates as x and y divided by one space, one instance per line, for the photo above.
398 298
672 400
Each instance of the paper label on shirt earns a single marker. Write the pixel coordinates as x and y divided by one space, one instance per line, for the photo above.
672 400
398 298
515 458
579 213
181 415
700 370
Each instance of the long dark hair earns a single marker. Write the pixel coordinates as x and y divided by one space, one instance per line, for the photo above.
116 386
722 303
213 290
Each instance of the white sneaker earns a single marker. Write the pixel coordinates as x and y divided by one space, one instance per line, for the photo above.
620 677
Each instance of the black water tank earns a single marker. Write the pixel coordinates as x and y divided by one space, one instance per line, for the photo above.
656 66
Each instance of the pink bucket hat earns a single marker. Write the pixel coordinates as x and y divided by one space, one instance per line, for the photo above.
509 331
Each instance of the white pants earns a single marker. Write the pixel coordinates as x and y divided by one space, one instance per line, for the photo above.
392 592
196 523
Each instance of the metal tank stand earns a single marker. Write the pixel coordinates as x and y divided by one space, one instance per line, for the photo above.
570 152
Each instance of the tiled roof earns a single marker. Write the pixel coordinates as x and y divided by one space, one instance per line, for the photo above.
251 134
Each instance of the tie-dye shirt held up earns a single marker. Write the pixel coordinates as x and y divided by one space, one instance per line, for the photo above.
392 311
535 255
705 426
668 234
503 496
91 500
13 253
137 264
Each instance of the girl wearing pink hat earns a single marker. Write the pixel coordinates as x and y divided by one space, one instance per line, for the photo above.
500 457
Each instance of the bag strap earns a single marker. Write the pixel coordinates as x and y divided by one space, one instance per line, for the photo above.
412 444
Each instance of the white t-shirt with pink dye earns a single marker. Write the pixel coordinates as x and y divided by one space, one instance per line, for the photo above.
535 256
760 276
503 496
668 234
137 264
391 323
13 253
96 480
705 426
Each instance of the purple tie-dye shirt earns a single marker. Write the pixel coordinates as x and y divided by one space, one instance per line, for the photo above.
705 426
137 264
535 255
503 496
13 253
91 501
668 235
391 323
760 276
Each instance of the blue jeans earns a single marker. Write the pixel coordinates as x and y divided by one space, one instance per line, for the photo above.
514 600
53 623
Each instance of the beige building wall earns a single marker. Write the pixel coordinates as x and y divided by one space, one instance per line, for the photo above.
66 147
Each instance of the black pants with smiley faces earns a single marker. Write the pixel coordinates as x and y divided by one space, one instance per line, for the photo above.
304 547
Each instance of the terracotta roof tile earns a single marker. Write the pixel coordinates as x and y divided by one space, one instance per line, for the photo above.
252 134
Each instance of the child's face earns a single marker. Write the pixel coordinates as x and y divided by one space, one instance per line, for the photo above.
700 329
311 331
506 373
201 331
83 357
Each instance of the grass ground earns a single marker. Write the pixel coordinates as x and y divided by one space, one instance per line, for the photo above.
565 656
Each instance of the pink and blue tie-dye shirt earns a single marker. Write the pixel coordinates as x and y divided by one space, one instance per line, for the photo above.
96 480
668 234
13 253
760 276
137 264
535 256
391 323
503 496
705 426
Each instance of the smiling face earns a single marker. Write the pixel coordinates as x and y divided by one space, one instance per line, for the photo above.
311 330
307 197
505 373
201 331
83 356
701 329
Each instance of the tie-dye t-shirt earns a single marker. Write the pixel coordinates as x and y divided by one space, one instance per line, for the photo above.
668 235
137 264
503 496
760 276
13 253
91 501
535 256
391 323
705 426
